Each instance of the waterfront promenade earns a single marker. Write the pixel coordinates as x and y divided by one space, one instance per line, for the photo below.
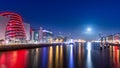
8 47
26 46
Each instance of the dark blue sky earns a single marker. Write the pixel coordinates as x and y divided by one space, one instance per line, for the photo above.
68 16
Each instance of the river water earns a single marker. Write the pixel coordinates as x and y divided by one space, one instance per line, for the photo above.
86 55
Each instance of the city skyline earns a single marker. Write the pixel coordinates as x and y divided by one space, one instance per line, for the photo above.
69 17
59 34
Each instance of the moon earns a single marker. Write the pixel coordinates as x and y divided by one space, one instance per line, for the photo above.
89 29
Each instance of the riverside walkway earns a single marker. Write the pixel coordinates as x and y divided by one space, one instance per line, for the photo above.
26 46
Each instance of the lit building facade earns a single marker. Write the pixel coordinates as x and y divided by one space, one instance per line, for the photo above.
12 28
42 36
36 35
116 38
47 36
109 39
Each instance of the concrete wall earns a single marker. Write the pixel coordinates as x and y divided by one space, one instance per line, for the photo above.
27 30
3 24
40 34
32 36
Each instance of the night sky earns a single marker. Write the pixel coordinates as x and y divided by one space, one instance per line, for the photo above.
69 17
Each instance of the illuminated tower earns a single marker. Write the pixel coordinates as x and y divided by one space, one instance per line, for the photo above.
14 28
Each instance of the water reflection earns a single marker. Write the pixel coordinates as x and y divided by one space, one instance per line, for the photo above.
35 58
44 58
48 57
50 63
57 57
89 60
14 59
115 56
71 60
62 56
79 53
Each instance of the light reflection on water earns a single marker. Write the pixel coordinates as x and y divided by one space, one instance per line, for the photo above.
63 56
89 60
14 59
57 57
44 58
50 63
115 56
71 59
